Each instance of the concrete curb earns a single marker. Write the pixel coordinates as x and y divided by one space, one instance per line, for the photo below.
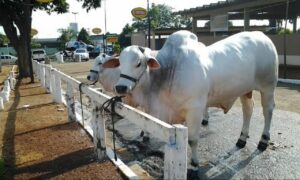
290 81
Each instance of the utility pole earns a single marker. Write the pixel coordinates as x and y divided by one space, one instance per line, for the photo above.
284 40
149 25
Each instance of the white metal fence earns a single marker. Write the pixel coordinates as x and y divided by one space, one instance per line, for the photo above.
175 136
9 84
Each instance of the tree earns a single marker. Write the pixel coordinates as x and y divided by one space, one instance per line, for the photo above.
84 36
66 36
3 40
116 48
35 44
124 40
16 16
161 16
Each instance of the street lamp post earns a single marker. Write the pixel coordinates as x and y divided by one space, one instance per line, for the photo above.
75 13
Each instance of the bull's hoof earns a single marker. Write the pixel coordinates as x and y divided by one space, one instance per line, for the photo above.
241 143
262 146
194 164
146 139
204 122
142 133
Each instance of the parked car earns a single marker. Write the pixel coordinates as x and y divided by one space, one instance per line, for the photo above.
73 45
9 59
83 53
39 55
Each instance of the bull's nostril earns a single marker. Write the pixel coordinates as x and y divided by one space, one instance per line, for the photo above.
121 89
88 77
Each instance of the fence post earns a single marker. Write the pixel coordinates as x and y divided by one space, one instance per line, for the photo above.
57 88
52 81
47 78
42 77
98 125
12 80
70 102
34 66
38 71
175 162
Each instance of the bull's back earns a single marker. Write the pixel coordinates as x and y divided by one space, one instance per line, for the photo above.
241 63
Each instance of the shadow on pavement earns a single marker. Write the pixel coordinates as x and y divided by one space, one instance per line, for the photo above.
8 149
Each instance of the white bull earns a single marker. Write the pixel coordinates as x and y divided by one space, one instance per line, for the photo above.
106 77
186 77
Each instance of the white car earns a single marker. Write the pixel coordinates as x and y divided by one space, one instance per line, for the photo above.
83 53
9 59
39 55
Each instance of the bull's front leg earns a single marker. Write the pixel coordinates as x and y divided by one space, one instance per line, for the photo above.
206 117
247 105
268 104
193 121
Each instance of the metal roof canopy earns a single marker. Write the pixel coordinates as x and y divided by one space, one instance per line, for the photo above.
258 9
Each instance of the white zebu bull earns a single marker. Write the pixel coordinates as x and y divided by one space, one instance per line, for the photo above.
106 77
186 77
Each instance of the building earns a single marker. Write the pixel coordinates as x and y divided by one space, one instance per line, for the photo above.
74 27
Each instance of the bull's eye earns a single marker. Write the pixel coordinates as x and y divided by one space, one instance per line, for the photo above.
139 64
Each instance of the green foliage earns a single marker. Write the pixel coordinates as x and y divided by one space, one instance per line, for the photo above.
35 44
123 40
3 40
66 36
285 31
161 16
116 48
89 4
84 36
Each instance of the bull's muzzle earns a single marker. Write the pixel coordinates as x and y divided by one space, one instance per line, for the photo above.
121 89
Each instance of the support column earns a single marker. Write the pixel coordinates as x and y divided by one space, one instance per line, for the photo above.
246 19
194 26
295 25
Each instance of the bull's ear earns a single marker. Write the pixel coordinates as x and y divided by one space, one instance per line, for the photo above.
112 63
153 63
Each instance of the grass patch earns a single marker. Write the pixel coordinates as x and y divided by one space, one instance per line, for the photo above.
1 168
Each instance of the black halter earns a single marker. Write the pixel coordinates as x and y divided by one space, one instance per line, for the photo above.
135 80
128 77
94 71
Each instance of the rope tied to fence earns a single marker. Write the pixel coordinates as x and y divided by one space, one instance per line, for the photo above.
80 97
105 109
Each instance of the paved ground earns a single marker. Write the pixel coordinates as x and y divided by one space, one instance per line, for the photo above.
220 159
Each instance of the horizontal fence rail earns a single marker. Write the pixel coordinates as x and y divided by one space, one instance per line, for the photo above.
175 136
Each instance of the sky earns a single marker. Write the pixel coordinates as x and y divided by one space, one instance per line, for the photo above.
118 14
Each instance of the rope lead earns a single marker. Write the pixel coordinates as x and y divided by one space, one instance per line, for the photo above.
112 103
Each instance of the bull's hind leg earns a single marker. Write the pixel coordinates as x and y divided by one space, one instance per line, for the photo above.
268 104
206 117
247 106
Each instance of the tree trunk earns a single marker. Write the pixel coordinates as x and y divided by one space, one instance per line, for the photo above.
21 42
23 54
